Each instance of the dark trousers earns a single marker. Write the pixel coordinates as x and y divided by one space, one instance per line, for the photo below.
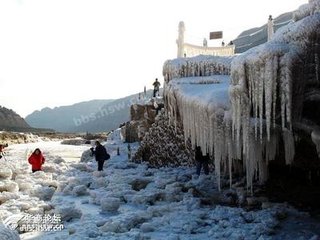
100 165
155 92
203 165
35 170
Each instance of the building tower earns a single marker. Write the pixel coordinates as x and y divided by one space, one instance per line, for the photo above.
180 40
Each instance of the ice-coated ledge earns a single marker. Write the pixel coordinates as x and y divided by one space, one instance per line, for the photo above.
247 119
196 67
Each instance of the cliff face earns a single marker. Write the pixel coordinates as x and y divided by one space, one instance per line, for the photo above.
9 120
258 109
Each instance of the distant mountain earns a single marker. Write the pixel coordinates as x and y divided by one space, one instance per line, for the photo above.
109 117
62 118
10 120
93 116
256 36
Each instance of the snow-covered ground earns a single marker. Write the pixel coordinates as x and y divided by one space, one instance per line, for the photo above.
131 201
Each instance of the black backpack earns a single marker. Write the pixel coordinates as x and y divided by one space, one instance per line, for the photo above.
106 154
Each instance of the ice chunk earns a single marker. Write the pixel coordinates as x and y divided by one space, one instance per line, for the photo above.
43 192
110 204
9 186
80 190
5 172
8 234
68 212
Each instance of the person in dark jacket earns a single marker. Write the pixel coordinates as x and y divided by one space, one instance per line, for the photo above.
202 161
36 160
100 153
156 87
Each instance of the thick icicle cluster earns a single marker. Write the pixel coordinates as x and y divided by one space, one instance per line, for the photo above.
248 120
196 66
263 82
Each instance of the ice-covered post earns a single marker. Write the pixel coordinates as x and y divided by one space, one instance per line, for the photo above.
270 28
180 40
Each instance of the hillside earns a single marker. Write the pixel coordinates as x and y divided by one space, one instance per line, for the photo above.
62 118
256 36
9 120
108 117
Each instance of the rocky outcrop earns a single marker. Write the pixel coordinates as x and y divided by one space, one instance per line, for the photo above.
163 145
142 116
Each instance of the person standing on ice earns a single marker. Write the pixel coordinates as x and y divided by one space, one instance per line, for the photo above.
202 161
156 87
36 160
101 154
2 146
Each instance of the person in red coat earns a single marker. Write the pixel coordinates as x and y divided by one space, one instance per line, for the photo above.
36 160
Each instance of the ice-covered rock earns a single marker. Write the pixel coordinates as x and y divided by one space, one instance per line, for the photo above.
139 184
99 174
59 160
80 166
24 185
68 212
41 175
8 234
86 156
113 226
35 211
80 190
147 227
43 192
148 198
9 186
110 204
5 196
99 182
5 172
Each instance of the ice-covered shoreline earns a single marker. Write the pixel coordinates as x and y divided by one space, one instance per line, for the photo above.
132 201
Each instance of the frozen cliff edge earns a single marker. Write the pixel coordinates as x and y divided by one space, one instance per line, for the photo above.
244 125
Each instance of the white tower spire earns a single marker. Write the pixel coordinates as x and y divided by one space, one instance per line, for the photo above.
180 40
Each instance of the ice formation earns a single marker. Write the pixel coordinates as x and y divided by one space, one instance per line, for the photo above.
251 117
315 135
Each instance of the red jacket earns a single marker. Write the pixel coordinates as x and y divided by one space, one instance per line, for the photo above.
36 160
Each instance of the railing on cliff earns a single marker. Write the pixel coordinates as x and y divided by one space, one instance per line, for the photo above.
190 50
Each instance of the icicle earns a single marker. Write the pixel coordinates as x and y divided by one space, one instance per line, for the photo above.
316 61
288 92
268 86
289 147
315 136
261 93
274 90
282 96
271 148
229 145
